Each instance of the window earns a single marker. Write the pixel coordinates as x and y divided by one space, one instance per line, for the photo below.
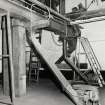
51 3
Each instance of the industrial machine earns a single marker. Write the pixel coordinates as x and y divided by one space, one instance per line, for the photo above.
68 31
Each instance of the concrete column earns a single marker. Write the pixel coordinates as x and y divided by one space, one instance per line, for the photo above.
18 31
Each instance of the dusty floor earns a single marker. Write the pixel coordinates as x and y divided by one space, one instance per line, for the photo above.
102 95
43 93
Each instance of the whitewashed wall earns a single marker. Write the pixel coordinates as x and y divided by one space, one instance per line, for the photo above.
95 32
48 43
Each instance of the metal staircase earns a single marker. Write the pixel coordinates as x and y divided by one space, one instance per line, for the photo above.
94 63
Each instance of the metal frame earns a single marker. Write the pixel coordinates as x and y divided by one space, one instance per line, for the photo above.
66 59
9 56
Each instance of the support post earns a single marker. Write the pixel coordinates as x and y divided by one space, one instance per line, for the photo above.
5 65
0 47
8 74
62 7
18 31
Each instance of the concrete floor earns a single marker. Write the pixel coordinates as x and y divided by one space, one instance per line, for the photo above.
102 95
43 93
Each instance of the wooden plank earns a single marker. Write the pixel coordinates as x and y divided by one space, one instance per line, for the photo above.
51 64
